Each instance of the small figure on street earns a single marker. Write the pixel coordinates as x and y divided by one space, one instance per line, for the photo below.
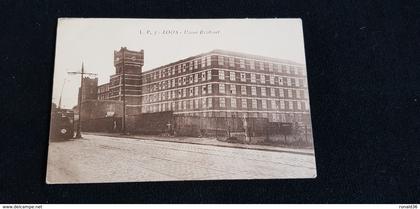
245 125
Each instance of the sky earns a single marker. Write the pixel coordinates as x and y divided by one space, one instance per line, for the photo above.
93 41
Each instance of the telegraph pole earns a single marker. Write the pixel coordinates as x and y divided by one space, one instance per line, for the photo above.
82 73
123 89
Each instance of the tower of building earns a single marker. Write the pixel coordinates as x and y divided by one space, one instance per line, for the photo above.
125 84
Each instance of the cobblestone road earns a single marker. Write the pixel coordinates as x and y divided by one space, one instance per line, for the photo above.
113 159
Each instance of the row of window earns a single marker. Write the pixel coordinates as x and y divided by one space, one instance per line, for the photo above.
230 89
222 61
231 103
178 69
261 78
207 76
180 81
258 65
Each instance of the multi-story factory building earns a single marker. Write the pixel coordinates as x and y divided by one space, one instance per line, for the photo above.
207 93
228 84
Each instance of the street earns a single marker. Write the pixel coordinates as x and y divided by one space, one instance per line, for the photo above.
97 159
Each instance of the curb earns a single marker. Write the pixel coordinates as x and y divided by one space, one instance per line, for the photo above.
195 143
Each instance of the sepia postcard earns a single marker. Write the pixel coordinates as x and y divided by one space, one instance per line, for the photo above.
138 100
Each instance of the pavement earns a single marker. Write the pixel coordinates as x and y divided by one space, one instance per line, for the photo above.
100 159
210 141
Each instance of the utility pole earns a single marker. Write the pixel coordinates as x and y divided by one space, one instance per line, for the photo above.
123 91
82 73
61 93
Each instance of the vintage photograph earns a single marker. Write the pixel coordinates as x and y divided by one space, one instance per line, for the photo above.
138 100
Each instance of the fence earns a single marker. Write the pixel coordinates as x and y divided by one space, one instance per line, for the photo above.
107 124
258 130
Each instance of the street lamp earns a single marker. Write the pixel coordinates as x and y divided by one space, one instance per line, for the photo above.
82 73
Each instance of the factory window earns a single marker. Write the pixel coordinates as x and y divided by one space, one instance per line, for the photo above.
231 62
173 94
270 67
289 82
254 104
196 91
173 70
243 77
203 102
221 75
289 93
184 68
297 94
232 76
292 70
276 68
222 102
306 105
253 80
282 105
301 82
281 81
273 104
191 104
209 88
253 91
263 91
191 66
271 79
179 105
196 77
191 92
299 106
232 89
264 104
272 92
244 103
252 64
184 80
293 82
184 92
220 60
184 104
208 59
191 79
242 63
203 62
290 105
209 102
222 88
257 65
243 90
262 79
209 75
179 93
203 76
195 64
196 103
233 102
203 90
